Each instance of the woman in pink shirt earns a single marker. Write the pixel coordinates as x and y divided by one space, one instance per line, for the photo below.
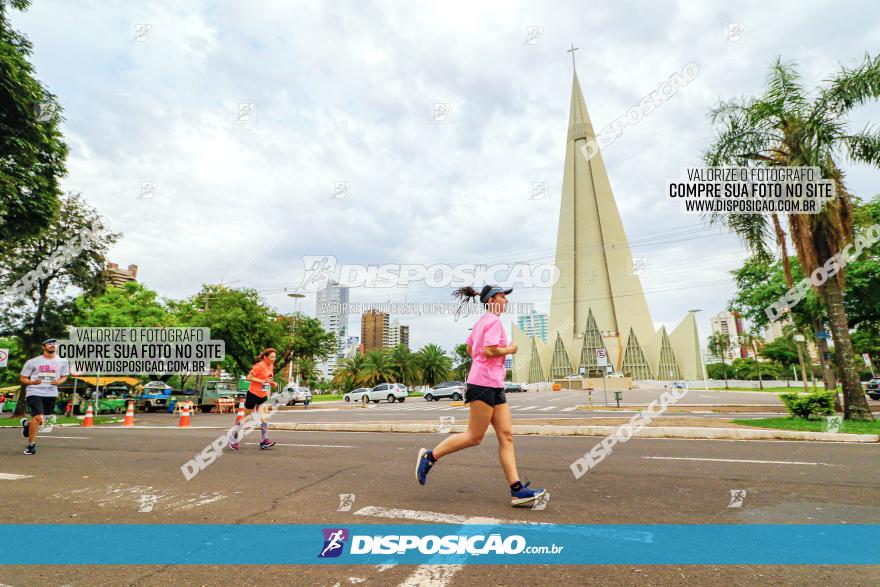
487 345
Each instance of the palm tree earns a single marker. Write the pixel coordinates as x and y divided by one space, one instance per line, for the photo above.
403 362
348 372
434 363
784 127
751 340
377 368
718 344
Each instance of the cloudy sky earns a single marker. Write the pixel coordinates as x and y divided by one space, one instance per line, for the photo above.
344 92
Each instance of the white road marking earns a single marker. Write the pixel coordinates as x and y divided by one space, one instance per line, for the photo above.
571 409
65 437
310 445
380 512
147 503
740 461
432 575
524 408
383 568
547 409
13 477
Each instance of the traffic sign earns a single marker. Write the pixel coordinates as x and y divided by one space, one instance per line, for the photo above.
602 357
4 357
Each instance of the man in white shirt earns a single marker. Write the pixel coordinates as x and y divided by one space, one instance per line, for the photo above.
42 375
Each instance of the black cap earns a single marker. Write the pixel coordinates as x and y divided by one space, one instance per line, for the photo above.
490 290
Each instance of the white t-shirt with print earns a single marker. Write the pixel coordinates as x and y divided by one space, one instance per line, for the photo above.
45 370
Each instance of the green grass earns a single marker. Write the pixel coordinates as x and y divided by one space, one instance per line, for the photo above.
326 397
62 420
849 426
769 389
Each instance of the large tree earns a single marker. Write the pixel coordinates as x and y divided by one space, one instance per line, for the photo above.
238 317
36 273
32 152
434 363
785 127
71 252
131 305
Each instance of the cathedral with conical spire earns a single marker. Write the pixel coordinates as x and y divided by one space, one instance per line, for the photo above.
598 301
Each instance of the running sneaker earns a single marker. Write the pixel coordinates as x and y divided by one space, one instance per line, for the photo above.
525 496
423 466
24 427
31 449
264 444
233 445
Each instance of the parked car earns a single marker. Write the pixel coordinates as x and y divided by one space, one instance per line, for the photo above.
872 388
357 395
391 392
451 389
155 395
513 387
297 394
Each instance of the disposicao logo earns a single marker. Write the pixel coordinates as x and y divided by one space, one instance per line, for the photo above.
334 541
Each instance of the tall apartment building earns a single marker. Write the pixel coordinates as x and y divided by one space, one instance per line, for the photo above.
332 311
533 324
729 324
404 335
378 330
117 276
374 329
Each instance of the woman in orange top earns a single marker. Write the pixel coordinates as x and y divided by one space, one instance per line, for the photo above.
261 379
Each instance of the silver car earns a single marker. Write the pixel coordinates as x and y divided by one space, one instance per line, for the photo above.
298 395
454 390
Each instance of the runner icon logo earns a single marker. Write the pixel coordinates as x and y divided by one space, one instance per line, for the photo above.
737 496
334 541
541 501
446 423
346 500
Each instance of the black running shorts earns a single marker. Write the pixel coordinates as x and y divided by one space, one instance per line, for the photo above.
494 396
251 401
39 405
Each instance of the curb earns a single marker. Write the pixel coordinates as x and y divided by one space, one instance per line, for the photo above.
550 430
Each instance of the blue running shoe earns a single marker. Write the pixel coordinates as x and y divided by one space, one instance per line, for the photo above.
423 466
25 427
525 496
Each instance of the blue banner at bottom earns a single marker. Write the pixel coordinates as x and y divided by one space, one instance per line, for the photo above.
210 544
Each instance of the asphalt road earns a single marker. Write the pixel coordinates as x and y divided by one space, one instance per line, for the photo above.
112 475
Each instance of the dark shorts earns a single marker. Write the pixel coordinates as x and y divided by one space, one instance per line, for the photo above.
494 396
251 401
39 405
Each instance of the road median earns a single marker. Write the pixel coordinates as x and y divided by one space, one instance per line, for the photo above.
694 432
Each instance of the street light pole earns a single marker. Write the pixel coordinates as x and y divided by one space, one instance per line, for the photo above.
297 296
699 350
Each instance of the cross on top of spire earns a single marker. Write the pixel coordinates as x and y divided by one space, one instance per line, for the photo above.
572 50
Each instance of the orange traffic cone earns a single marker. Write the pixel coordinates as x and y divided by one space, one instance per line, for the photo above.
184 415
240 416
88 421
129 415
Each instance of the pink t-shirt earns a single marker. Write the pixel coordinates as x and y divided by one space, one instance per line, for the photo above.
487 371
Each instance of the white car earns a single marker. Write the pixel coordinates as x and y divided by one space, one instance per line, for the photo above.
298 394
358 395
391 392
